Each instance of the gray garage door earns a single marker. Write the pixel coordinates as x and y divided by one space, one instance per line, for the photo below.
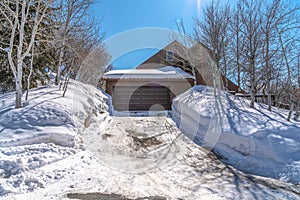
141 99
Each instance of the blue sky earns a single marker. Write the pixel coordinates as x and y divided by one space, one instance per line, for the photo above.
122 15
125 15
129 48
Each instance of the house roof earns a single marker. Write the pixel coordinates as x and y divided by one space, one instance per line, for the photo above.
168 72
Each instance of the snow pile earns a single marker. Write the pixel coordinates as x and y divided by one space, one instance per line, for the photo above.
47 129
49 118
253 140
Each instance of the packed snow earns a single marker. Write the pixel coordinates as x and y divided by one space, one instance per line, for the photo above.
253 140
71 148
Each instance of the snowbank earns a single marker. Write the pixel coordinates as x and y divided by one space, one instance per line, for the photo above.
49 118
45 130
252 140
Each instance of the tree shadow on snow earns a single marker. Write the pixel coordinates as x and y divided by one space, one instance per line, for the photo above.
101 196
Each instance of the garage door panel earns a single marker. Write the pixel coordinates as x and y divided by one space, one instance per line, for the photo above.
150 105
135 102
120 102
142 98
153 101
135 97
149 96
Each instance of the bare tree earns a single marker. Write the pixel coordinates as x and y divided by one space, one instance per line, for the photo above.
284 47
182 56
18 14
286 27
94 66
250 27
236 46
252 42
77 29
275 13
213 31
268 31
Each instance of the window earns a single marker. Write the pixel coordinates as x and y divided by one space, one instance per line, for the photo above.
169 56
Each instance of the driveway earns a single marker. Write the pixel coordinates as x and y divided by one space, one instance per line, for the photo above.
161 161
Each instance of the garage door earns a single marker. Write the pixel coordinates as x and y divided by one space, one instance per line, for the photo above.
142 98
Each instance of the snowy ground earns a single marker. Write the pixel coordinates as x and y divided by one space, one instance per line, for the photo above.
179 169
67 148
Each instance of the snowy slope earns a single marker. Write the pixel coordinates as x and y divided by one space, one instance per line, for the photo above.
44 131
253 140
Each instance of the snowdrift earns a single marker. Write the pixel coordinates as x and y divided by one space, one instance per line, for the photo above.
45 130
253 140
49 118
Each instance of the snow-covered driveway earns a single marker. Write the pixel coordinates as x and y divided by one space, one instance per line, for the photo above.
149 156
137 157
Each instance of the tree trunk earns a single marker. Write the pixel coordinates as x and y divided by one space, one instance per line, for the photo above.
252 85
19 86
297 113
66 86
268 70
194 75
252 99
269 96
237 31
298 70
239 77
61 54
225 69
289 74
28 83
290 112
65 82
19 57
30 73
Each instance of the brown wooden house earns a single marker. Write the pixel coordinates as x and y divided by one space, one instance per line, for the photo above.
154 83
199 55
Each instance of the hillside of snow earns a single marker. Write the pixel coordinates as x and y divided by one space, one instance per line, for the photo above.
253 140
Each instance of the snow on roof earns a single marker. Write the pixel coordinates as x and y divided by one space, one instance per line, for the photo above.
168 72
